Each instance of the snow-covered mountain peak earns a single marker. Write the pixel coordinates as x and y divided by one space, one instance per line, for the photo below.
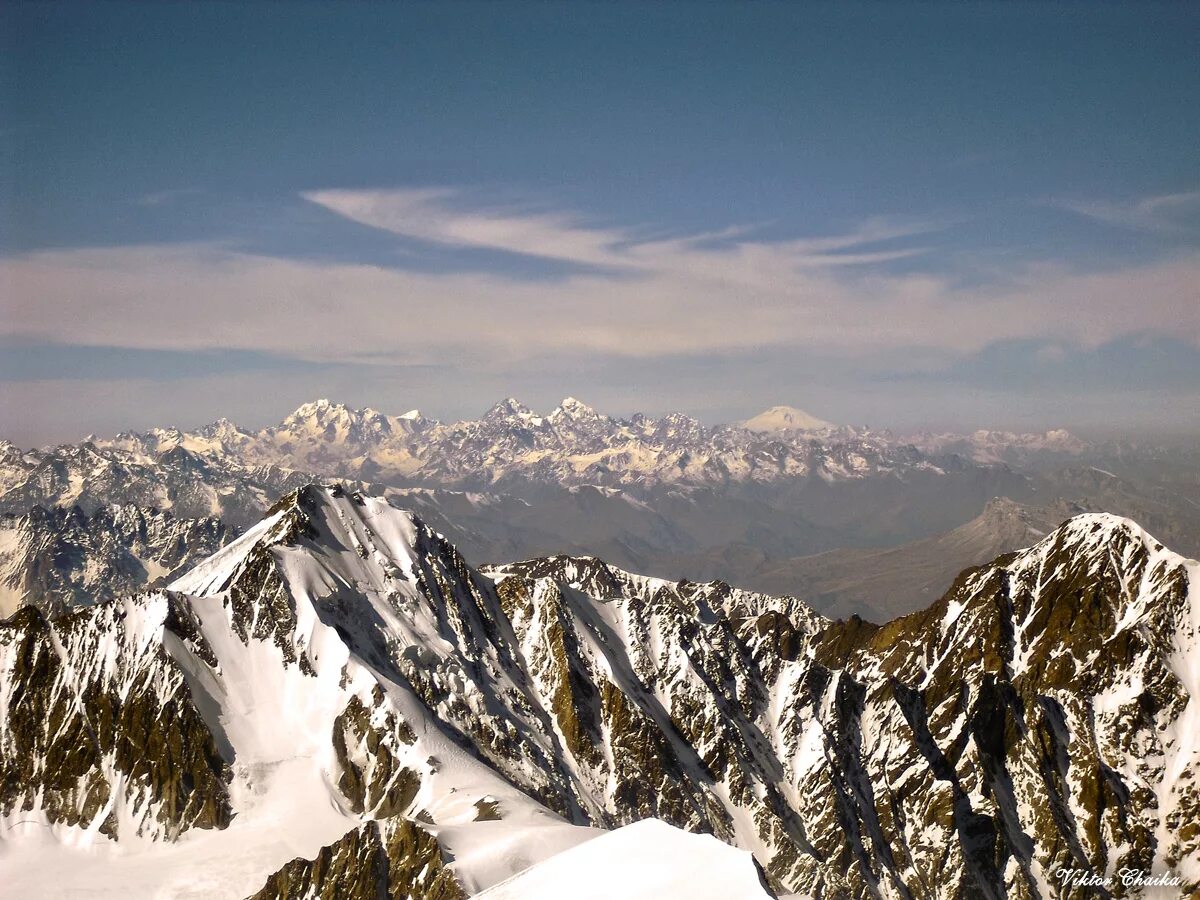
509 408
325 672
574 444
222 438
785 418
359 540
222 428
704 600
1053 613
1104 539
313 409
676 428
572 409
324 410
1111 574
987 446
1060 435
323 422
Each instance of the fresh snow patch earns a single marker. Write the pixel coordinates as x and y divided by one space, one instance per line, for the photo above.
647 860
488 853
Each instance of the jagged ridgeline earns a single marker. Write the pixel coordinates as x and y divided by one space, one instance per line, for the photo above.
63 558
336 704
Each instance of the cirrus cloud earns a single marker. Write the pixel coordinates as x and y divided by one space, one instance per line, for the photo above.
673 295
659 303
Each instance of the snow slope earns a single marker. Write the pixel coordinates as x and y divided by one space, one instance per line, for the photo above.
648 860
291 706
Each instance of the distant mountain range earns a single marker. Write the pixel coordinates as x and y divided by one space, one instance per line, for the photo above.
574 444
784 502
885 583
338 703
58 559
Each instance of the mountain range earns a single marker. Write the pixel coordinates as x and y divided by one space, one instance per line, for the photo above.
62 558
573 444
783 503
338 703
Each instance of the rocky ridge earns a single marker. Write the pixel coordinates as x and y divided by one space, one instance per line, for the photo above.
93 475
62 558
1039 716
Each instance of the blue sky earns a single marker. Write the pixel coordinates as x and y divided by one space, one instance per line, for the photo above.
907 215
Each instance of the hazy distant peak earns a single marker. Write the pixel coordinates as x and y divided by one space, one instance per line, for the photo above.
785 418
570 408
508 408
315 409
220 428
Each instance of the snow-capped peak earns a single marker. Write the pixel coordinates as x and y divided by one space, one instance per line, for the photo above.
570 408
317 413
509 408
1096 532
342 666
314 408
785 418
337 422
222 428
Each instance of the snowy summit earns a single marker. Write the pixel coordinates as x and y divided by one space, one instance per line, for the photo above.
786 418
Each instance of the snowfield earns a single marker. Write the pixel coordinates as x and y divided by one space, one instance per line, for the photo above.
648 860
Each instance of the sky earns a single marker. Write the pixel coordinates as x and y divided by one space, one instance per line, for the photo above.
902 215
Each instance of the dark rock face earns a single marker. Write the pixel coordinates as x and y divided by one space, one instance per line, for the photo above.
381 860
83 743
389 788
1023 724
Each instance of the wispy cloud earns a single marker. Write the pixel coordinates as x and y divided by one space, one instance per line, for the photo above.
430 215
707 293
1179 212
443 216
